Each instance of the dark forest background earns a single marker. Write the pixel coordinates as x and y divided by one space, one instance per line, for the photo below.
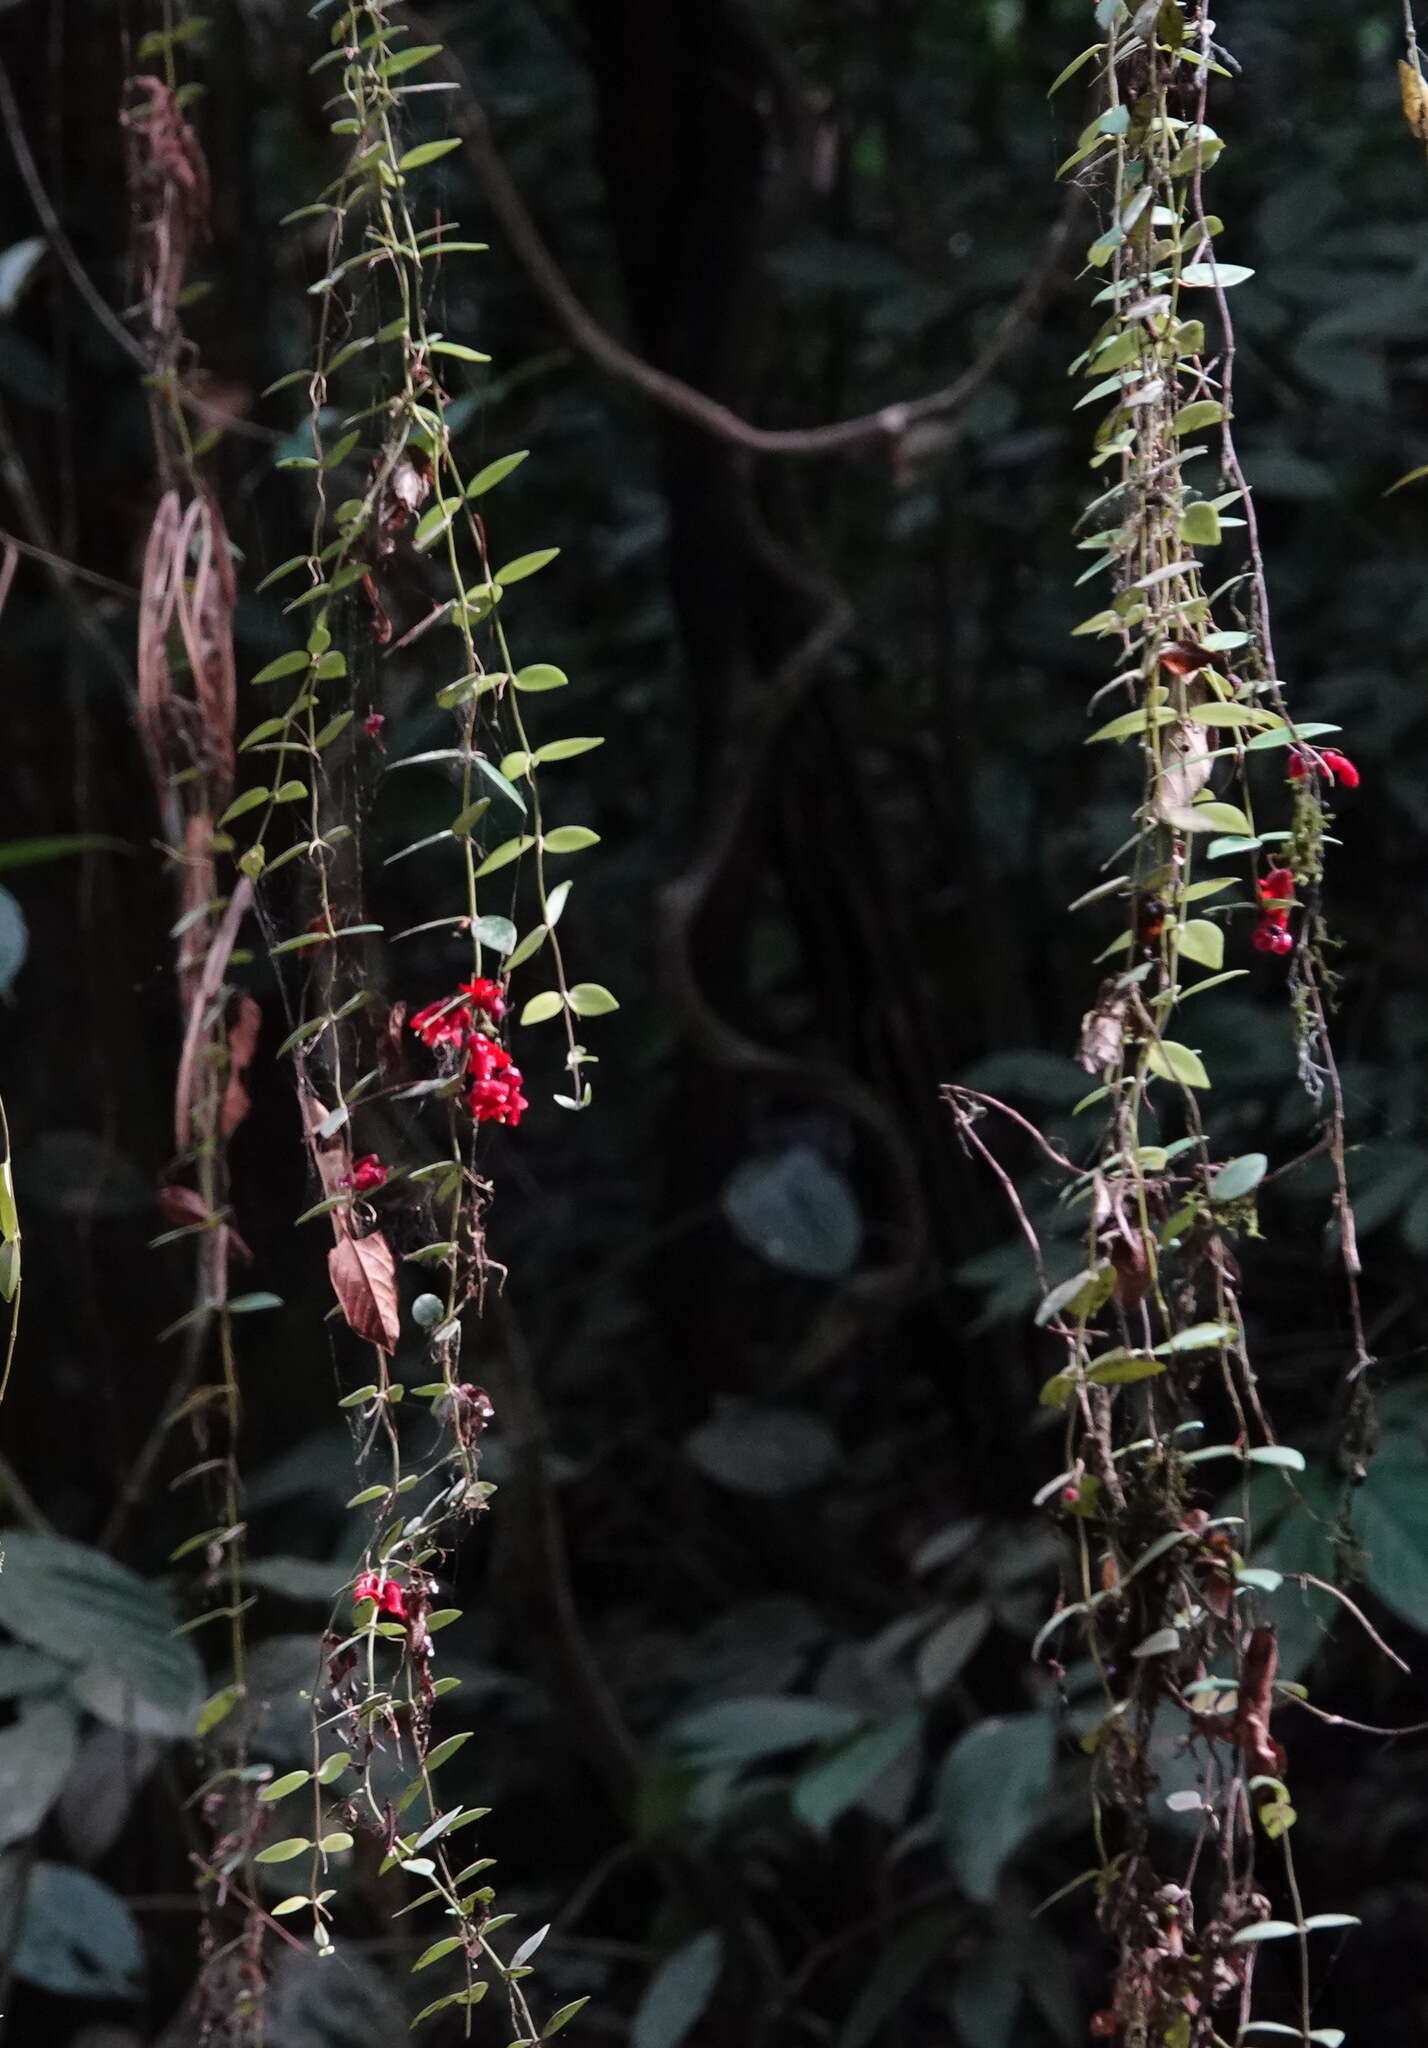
764 1370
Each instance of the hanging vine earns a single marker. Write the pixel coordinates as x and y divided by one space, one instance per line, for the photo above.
186 704
378 414
1234 812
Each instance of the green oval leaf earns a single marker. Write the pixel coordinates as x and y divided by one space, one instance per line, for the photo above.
523 566
542 1007
1238 1177
428 153
249 801
280 1787
283 1852
1177 1063
589 999
486 479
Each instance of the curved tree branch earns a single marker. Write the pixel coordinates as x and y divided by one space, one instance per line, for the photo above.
887 424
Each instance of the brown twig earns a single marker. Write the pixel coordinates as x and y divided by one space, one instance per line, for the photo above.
1307 1579
10 542
887 425
954 1092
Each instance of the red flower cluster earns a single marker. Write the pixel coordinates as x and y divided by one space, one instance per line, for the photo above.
495 1096
1275 889
1338 767
386 1593
444 1023
366 1174
485 996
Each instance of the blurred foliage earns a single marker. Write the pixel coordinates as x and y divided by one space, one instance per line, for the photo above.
780 1339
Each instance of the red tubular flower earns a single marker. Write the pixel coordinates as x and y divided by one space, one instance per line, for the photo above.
444 1023
1276 885
372 725
366 1174
486 996
386 1594
1328 762
1270 937
495 1096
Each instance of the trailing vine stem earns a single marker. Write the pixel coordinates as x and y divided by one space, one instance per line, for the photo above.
1177 1624
378 403
186 702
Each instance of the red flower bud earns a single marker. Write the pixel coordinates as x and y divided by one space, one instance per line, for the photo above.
1328 762
1340 766
1269 937
384 1592
487 996
444 1023
1276 885
366 1174
372 725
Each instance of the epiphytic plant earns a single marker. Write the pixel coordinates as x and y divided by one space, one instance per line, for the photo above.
1152 1332
378 405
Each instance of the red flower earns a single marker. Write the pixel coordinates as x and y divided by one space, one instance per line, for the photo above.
495 1096
1330 762
372 725
1269 937
1276 885
486 996
444 1023
386 1594
366 1174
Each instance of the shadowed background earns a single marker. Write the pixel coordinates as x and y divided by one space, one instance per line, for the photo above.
764 1372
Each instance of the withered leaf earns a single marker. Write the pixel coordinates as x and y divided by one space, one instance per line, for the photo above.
242 1044
181 1206
363 1271
332 1156
1132 1264
1186 770
1101 1031
1414 94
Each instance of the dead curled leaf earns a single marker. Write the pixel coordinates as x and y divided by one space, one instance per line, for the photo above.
1414 94
242 1044
332 1157
1102 1031
184 1207
363 1271
1186 768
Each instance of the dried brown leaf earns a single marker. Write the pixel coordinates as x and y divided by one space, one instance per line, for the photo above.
1183 749
242 1044
331 1156
1414 94
364 1279
205 610
1102 1030
158 591
208 983
181 1206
